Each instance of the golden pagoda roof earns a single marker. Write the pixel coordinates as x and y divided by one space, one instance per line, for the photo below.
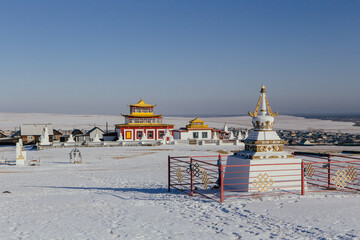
141 103
196 123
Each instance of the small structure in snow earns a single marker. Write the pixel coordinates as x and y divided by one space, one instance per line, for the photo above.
20 153
70 139
44 138
75 156
168 138
96 138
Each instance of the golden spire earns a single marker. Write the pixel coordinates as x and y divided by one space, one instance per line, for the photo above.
265 100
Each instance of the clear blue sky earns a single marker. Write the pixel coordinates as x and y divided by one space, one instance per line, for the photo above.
188 57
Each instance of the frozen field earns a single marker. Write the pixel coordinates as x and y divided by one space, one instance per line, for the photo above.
121 193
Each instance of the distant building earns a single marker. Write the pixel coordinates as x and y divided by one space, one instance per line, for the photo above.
30 133
90 135
196 129
142 122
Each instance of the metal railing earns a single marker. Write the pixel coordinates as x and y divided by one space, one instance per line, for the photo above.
212 178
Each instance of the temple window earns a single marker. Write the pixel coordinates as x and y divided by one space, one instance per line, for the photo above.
136 120
204 135
139 135
195 135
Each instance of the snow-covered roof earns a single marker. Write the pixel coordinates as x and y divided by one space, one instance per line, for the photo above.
35 129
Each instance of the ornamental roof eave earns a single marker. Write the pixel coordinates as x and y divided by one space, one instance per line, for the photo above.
145 125
142 115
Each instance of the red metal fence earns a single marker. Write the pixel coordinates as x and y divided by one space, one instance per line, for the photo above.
205 176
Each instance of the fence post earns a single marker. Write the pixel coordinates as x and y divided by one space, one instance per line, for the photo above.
302 178
169 173
221 182
329 170
191 178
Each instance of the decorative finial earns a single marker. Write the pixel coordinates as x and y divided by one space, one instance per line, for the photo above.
263 89
265 104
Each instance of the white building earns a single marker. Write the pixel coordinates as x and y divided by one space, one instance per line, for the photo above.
31 133
196 129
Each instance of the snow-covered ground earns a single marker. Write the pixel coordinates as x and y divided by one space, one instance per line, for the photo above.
10 121
121 193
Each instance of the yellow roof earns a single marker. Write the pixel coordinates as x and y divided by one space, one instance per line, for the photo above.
196 123
141 103
196 120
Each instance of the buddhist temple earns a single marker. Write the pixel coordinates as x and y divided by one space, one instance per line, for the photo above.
142 124
263 155
196 129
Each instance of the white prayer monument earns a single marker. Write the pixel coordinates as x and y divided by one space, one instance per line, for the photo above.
44 138
119 137
231 135
168 138
263 146
20 153
239 135
96 139
70 139
226 129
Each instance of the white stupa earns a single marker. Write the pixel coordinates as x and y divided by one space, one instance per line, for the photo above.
20 153
246 134
239 136
262 146
44 138
226 129
144 137
215 137
96 139
120 139
231 135
168 138
70 139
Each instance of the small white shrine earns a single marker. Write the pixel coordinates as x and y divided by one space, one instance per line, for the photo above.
168 138
70 139
263 150
96 138
20 153
44 138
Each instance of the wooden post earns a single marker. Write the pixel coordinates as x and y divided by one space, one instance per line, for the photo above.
169 173
329 170
191 178
302 178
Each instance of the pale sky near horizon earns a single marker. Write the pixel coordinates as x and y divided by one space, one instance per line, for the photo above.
188 57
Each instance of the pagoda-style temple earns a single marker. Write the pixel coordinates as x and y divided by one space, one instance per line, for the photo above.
264 159
142 123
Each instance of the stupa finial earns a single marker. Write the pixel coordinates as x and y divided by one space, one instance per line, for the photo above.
265 106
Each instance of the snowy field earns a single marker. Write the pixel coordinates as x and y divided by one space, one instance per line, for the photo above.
121 193
10 121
